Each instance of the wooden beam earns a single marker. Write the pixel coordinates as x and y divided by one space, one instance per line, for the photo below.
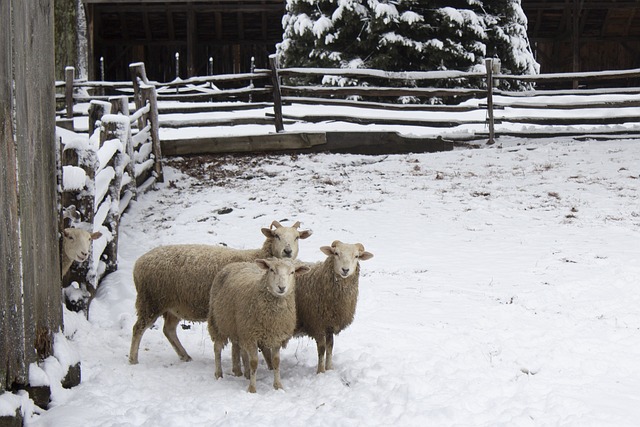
575 39
170 27
243 144
145 23
192 36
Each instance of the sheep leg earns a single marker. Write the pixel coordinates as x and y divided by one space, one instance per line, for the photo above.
138 329
329 359
217 351
322 346
252 351
170 325
245 362
235 357
275 359
266 353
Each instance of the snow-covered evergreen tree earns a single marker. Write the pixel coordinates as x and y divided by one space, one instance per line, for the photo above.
406 35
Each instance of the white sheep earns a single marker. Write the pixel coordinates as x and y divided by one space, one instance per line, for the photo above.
252 304
76 246
326 297
174 281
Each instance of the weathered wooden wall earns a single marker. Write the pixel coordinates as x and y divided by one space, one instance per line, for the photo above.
29 266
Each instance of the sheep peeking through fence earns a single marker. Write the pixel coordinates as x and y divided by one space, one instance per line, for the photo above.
101 174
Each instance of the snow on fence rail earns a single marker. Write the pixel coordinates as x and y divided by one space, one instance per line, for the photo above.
381 90
101 174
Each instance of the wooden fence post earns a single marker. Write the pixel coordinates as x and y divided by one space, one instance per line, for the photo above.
69 74
120 105
149 95
97 109
277 95
489 66
138 77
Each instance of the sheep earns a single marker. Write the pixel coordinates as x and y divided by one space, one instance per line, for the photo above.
326 297
253 304
174 281
76 246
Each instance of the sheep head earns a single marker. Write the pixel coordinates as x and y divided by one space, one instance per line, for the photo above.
346 257
281 274
283 241
76 243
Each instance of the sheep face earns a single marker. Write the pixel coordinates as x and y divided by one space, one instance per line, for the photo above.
284 240
281 275
77 243
346 257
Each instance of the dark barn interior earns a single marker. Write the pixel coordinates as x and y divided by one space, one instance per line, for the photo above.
584 35
151 31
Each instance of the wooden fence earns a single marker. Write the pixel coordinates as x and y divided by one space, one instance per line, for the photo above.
101 174
430 99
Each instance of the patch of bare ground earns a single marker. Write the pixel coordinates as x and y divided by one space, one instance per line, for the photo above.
222 170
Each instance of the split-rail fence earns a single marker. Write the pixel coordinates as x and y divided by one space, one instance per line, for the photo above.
432 99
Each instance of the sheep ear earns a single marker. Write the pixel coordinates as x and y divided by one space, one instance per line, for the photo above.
267 232
365 255
296 225
66 232
275 224
327 250
306 233
263 264
302 269
96 235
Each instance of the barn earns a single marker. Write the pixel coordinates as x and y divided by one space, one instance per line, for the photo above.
584 35
221 36
187 37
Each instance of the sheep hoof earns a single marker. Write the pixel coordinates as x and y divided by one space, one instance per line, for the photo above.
218 375
237 373
186 358
278 386
133 361
251 389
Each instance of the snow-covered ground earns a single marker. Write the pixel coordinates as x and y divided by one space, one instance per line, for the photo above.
505 290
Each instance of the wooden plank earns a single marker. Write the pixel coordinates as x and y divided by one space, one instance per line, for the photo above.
575 105
243 144
378 105
435 122
12 343
378 91
177 124
338 142
375 143
391 75
571 121
36 147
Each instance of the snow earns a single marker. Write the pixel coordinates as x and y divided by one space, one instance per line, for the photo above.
73 178
37 376
322 26
503 291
